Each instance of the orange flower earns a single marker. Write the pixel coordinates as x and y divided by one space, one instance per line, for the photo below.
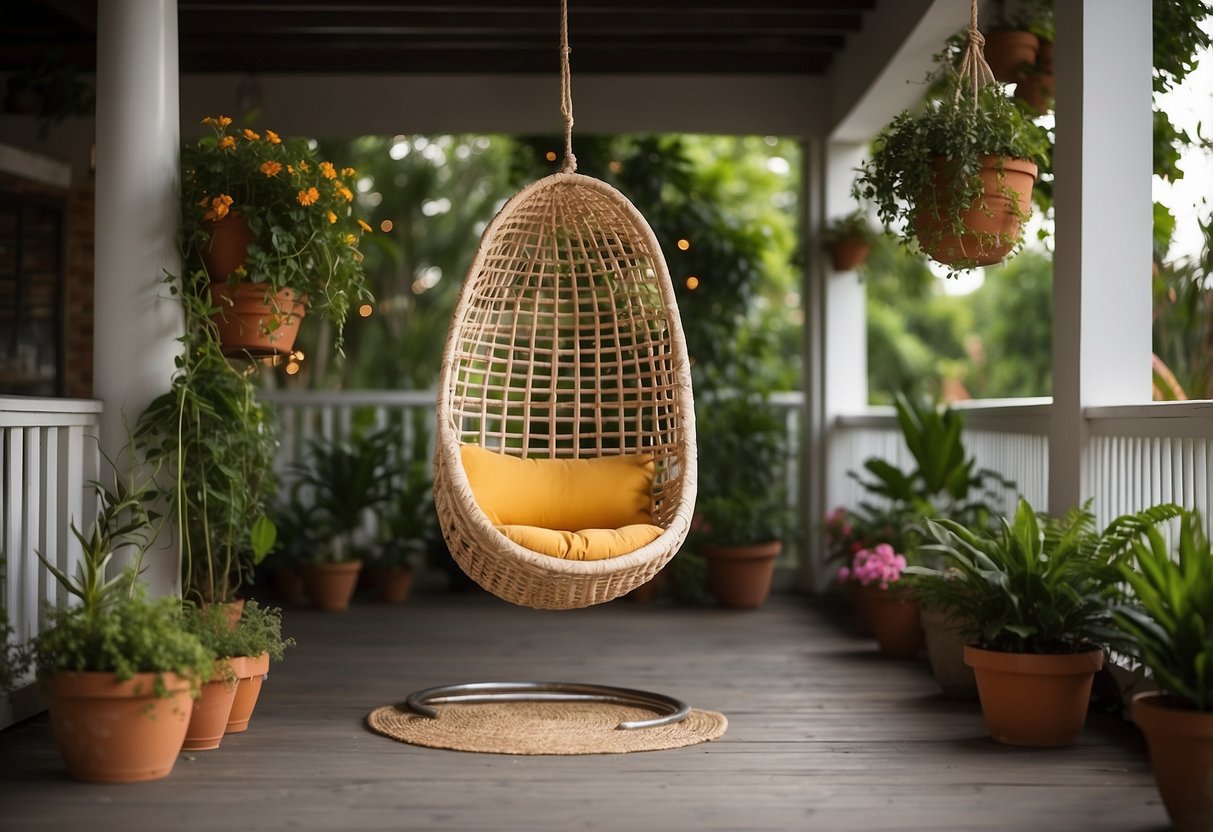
224 121
350 239
309 196
303 166
250 135
219 207
345 193
348 171
272 137
364 226
209 120
290 169
227 143
271 168
327 170
332 217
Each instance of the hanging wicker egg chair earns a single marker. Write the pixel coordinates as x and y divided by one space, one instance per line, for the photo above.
565 344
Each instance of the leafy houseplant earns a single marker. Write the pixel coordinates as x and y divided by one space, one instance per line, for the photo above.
955 177
849 239
409 524
119 669
1035 598
216 445
341 481
288 217
1168 628
742 499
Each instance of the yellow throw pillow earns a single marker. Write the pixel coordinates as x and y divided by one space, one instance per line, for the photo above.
586 544
565 494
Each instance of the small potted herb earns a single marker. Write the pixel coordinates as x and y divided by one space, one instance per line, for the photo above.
408 523
119 669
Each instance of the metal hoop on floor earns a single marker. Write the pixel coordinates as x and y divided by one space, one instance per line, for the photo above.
671 710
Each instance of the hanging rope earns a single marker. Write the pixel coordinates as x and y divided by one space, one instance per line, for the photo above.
566 91
973 71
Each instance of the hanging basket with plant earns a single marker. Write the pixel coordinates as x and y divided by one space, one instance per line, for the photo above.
955 178
849 240
269 229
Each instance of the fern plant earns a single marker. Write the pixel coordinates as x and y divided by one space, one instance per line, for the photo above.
1037 584
1167 625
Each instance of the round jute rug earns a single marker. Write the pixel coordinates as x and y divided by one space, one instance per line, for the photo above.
542 728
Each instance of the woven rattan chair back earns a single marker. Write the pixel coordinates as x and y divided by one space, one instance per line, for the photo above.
566 343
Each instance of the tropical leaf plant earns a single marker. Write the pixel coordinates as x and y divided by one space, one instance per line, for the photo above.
1036 584
1167 625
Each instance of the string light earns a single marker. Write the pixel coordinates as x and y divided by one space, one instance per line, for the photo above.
692 283
365 310
292 368
550 155
386 226
684 244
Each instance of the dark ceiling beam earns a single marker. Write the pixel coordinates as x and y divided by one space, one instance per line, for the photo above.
336 7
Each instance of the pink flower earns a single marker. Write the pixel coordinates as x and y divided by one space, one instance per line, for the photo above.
879 565
844 574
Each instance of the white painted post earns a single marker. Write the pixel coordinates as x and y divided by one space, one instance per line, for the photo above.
138 137
836 366
1101 284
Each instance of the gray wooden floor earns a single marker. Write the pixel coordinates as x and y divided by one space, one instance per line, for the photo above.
823 735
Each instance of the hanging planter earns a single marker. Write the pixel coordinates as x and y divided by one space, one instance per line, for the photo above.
991 224
849 240
251 321
1035 87
1010 53
954 179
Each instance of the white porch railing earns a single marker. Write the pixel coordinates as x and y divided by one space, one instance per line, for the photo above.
48 459
1137 455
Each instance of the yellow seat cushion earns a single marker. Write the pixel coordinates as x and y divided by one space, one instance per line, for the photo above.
607 492
586 544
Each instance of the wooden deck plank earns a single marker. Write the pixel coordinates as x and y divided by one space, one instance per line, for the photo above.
823 735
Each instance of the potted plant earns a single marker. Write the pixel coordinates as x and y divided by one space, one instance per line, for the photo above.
849 239
1035 598
944 482
742 499
119 670
886 610
209 716
1168 628
259 639
268 229
340 482
408 523
954 178
215 445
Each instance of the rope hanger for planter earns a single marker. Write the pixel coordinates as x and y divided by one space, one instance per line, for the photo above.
565 345
973 71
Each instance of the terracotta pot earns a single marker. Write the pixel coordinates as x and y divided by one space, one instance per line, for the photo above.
1181 751
1010 52
291 585
1038 700
1036 90
229 241
252 322
993 224
740 576
946 653
892 618
110 731
248 689
848 255
213 707
394 583
331 585
1044 58
232 610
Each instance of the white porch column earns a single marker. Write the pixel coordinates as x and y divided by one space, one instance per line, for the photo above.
135 322
1101 284
836 347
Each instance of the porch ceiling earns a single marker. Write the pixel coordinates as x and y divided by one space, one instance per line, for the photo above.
797 37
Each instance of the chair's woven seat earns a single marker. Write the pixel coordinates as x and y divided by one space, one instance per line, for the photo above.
566 342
